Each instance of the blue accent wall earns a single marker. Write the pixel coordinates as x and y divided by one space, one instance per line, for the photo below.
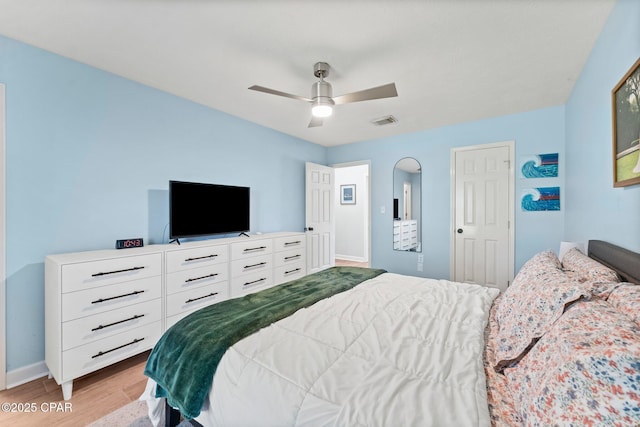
540 131
579 131
595 209
89 158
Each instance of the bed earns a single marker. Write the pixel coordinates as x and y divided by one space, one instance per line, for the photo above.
363 347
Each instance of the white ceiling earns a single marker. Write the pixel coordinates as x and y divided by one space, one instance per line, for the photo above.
453 61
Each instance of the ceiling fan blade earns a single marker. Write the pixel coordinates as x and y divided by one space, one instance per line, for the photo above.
315 122
384 91
279 93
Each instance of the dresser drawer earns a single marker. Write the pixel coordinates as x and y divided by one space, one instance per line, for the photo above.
241 250
251 265
251 282
194 299
193 278
87 329
289 272
92 274
99 300
291 256
289 242
196 257
98 354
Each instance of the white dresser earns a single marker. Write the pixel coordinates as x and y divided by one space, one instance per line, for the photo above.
405 234
104 306
265 261
251 266
289 258
100 307
196 276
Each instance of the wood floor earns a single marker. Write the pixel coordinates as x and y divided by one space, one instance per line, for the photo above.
343 262
94 396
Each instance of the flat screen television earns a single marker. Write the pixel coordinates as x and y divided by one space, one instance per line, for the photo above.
199 209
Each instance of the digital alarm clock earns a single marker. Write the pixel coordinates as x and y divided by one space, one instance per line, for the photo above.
129 243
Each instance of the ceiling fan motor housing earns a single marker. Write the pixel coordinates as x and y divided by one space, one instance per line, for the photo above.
321 91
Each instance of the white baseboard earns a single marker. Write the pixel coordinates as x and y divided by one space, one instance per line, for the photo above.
26 373
351 258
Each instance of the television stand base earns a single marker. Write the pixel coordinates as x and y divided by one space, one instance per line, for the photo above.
243 234
175 240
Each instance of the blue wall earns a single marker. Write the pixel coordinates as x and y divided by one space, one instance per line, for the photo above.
539 131
89 157
580 132
595 209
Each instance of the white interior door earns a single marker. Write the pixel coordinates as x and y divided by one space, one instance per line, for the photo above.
482 240
407 201
320 217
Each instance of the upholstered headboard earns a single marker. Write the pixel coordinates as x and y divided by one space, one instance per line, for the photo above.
625 262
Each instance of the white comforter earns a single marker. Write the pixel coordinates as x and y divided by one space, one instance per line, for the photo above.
394 351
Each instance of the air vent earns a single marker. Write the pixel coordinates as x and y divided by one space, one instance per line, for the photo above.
386 120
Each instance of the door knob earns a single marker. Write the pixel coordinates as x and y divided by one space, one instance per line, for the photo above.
459 230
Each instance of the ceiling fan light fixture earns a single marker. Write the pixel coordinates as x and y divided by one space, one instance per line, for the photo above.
322 108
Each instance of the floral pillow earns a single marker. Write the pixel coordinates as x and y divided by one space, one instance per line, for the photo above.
583 371
626 299
538 296
502 411
600 280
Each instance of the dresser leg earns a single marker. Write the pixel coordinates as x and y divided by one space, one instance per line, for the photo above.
67 388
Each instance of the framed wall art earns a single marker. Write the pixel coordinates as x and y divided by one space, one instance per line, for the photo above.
625 106
539 166
348 194
540 199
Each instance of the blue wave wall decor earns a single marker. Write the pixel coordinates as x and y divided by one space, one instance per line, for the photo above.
540 166
541 199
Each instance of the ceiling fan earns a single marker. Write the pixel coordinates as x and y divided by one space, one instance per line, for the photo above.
321 99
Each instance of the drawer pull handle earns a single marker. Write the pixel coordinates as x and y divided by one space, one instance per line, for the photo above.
102 353
295 270
259 248
255 281
297 242
255 265
200 278
287 258
116 271
119 296
97 328
201 257
212 294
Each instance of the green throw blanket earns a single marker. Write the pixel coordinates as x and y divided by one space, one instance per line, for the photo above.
185 358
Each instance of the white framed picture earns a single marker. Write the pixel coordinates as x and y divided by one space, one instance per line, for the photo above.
348 194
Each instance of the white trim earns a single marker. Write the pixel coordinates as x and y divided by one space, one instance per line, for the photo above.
3 247
452 246
26 373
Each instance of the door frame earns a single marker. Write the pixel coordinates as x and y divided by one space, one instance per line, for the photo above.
368 190
3 246
511 214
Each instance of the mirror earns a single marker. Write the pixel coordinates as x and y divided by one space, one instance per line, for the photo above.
407 203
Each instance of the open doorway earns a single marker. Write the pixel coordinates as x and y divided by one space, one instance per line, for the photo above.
352 214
